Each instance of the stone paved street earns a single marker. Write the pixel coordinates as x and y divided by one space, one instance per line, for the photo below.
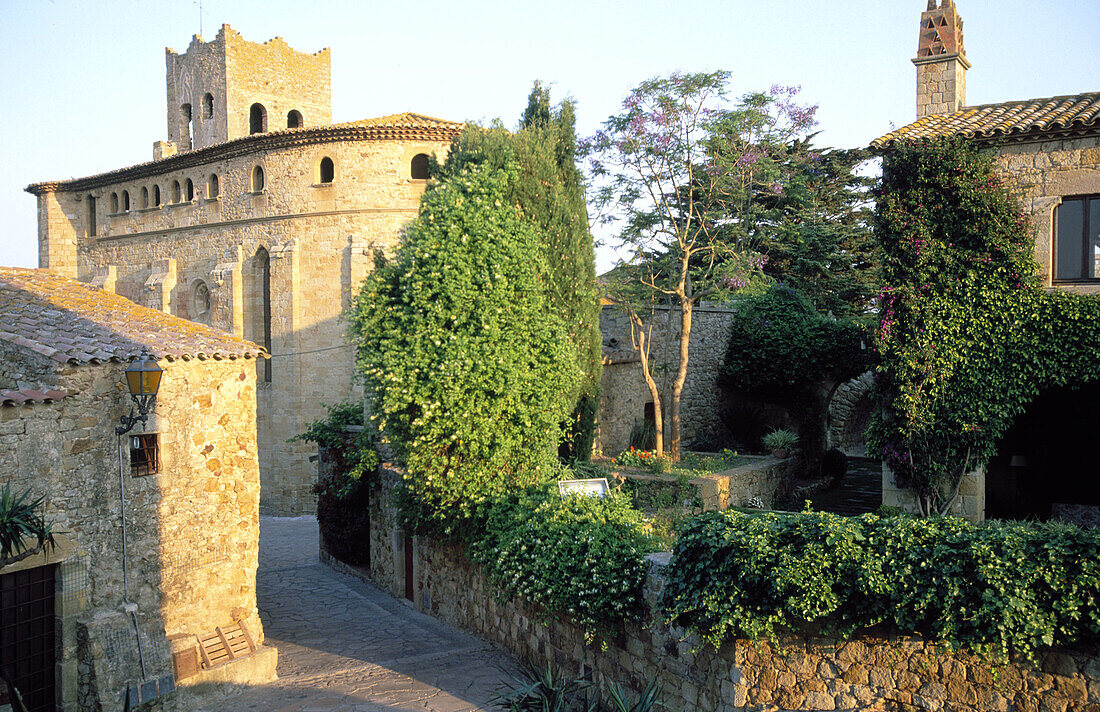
345 646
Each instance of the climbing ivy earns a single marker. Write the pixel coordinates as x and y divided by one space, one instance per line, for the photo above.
968 336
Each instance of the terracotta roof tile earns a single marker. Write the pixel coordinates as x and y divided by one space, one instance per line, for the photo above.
72 322
1010 120
28 396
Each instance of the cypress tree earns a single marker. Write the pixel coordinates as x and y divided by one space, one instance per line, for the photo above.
549 194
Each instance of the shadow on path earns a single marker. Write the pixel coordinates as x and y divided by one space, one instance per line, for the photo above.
346 646
859 491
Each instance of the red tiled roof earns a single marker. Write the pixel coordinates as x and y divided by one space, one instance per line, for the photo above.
406 126
27 396
1010 120
71 322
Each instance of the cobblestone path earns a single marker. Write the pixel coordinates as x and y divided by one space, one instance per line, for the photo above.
859 491
345 646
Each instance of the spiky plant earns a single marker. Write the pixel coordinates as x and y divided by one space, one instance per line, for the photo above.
21 521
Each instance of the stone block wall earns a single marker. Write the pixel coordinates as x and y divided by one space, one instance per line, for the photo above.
850 412
624 391
969 503
802 671
1045 172
319 240
192 529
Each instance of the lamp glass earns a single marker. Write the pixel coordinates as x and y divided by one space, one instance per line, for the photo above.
143 376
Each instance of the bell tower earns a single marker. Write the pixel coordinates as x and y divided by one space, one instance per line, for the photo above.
941 61
229 87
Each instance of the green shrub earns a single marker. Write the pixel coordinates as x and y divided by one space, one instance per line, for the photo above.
21 523
469 372
997 588
780 439
582 557
343 502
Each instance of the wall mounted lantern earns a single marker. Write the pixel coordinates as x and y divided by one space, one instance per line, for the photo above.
143 380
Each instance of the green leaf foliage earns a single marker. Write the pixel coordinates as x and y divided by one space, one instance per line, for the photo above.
818 237
779 345
468 371
997 588
21 522
579 556
548 192
968 336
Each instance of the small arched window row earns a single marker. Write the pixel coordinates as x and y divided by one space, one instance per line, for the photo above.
125 201
207 106
188 190
114 203
294 119
213 188
145 198
418 167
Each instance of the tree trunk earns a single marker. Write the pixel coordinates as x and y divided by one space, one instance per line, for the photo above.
640 342
681 377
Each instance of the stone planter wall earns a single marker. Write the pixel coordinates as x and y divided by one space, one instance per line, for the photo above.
799 672
736 486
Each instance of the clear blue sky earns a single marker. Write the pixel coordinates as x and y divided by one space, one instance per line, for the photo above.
83 88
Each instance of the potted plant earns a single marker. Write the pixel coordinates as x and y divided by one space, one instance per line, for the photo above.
781 442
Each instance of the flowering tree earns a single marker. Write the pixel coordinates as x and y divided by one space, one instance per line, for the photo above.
681 174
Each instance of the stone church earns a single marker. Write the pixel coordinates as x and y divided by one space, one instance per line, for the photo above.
257 216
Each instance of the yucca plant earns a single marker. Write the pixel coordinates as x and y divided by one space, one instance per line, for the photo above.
21 522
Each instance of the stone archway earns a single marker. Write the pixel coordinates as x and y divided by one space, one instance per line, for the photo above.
850 412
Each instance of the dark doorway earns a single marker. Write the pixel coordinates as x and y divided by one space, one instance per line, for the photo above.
1045 463
27 637
410 589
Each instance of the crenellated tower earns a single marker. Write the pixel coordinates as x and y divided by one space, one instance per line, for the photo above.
230 87
941 61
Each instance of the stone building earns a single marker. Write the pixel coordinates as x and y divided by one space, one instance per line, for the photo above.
259 217
191 482
1049 149
626 403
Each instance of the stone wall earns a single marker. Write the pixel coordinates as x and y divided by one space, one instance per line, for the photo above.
877 670
968 504
192 529
318 240
624 391
850 412
1045 172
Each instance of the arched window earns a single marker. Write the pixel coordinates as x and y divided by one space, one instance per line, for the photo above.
212 188
189 190
257 119
125 201
207 106
258 302
176 193
144 198
418 169
200 303
326 171
294 119
156 195
114 203
257 183
187 135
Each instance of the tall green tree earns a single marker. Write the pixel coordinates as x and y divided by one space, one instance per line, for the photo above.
468 370
548 191
818 238
679 173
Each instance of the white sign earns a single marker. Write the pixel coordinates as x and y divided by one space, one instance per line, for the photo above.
593 488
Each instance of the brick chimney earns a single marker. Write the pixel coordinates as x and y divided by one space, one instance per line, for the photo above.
941 61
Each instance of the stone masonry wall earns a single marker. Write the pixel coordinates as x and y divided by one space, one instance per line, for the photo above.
319 238
192 529
624 391
1045 172
797 672
850 412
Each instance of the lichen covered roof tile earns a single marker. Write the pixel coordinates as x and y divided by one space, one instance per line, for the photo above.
1010 120
71 322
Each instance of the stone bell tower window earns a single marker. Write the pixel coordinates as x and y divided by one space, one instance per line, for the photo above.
418 169
257 119
294 119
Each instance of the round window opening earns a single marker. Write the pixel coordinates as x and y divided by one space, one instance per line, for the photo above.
200 303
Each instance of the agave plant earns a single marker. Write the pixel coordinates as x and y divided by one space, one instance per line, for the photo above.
21 522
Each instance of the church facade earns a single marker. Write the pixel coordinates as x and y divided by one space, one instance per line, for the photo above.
258 217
